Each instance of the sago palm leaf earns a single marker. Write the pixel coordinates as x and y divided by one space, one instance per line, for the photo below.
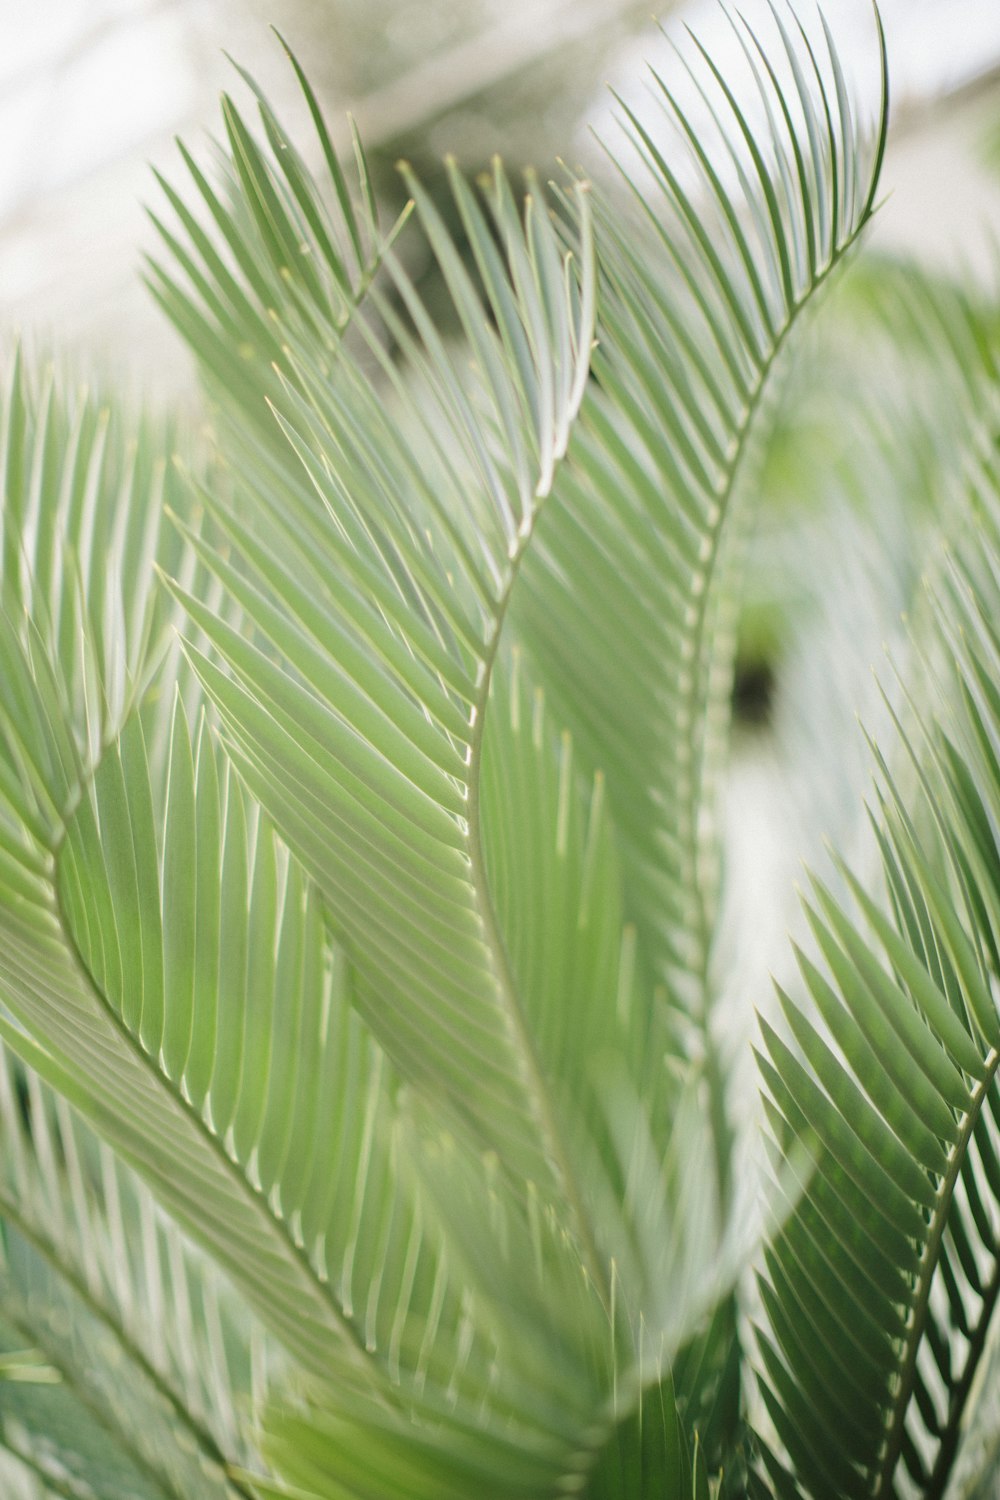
123 1367
383 578
739 215
165 964
880 1292
414 543
445 1156
167 967
385 592
706 287
567 1404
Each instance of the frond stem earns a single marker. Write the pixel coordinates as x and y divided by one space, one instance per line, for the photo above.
921 1307
497 947
941 1474
203 1438
166 1085
97 1409
699 663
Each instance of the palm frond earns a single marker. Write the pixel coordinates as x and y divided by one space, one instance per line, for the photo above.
879 1293
367 928
128 1333
737 227
415 547
738 222
384 594
575 1390
264 252
575 1396
164 964
380 583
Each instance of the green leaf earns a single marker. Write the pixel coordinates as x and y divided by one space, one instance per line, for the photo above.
130 857
900 1084
704 287
130 1334
379 713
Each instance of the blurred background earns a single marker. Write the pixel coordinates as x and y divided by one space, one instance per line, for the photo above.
93 91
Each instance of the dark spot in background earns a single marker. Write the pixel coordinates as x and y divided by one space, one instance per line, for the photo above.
753 692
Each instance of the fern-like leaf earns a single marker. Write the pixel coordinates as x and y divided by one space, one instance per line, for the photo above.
879 1294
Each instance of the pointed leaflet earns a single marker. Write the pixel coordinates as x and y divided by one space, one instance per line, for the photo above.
702 287
164 962
287 254
99 1285
379 595
891 1255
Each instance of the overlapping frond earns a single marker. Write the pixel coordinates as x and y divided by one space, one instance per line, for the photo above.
740 212
625 607
425 510
379 595
362 929
165 964
574 1389
880 1292
575 1396
264 252
379 581
506 1400
122 1329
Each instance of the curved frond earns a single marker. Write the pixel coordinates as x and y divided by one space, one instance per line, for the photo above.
368 967
167 967
130 1336
740 215
575 1396
383 593
264 252
165 963
880 1292
380 702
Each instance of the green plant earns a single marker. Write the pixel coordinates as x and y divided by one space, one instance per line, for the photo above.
370 1133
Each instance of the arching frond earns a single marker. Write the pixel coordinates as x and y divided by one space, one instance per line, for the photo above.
264 253
880 1292
577 1397
384 594
134 1375
416 546
166 964
367 928
739 215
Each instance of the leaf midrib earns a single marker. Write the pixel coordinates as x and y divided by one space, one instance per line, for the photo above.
277 1227
97 1409
753 404
497 948
11 1210
895 1433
